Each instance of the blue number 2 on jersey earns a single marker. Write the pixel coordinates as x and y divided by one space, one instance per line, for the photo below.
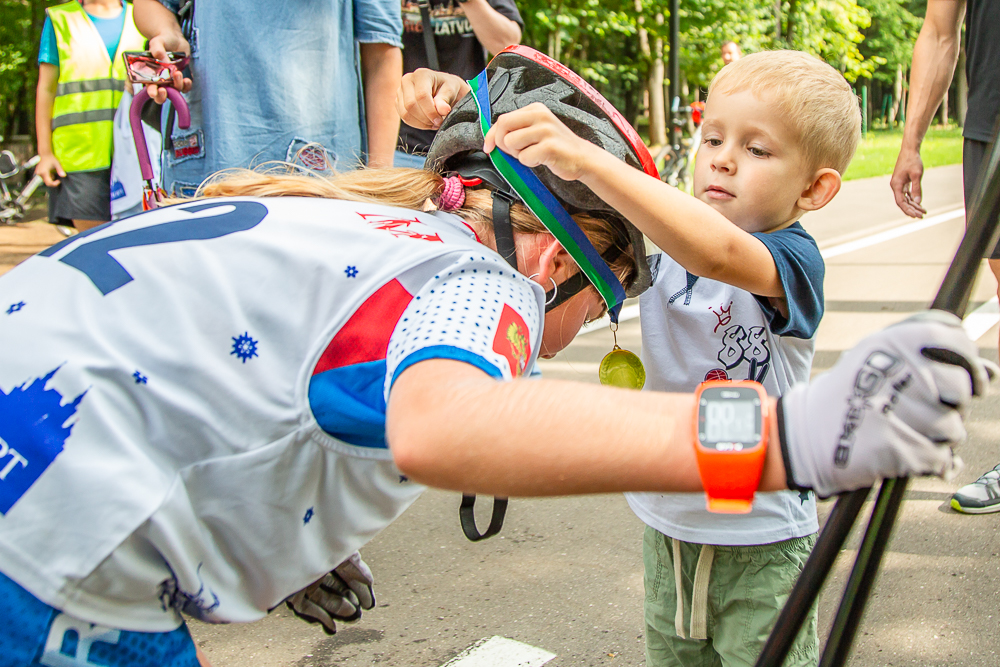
94 258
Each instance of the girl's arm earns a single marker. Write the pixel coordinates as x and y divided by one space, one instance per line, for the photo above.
891 407
45 96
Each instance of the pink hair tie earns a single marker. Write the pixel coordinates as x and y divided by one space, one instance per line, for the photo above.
452 194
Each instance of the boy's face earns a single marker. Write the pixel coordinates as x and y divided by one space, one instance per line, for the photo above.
750 166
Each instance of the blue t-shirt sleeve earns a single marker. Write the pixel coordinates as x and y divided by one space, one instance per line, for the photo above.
48 52
801 270
378 22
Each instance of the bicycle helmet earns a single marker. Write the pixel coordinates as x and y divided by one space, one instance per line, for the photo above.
515 78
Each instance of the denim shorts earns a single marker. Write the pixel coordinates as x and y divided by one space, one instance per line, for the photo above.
34 635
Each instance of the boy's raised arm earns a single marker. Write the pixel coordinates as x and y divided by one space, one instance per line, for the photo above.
694 234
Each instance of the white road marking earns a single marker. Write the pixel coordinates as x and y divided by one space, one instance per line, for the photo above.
500 652
891 234
982 319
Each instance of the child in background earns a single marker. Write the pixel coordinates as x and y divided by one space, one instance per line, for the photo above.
738 295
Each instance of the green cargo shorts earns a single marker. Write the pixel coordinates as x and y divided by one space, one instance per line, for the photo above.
746 589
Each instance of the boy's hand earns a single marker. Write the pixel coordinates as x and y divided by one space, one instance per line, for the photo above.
892 406
47 164
425 97
159 46
536 137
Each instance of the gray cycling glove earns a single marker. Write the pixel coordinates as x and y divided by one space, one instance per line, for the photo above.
892 406
339 596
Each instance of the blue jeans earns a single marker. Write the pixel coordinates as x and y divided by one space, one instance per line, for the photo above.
275 81
402 159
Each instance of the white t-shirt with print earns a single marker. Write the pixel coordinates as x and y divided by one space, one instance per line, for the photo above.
695 329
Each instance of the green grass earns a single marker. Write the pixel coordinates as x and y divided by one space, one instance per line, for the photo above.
876 155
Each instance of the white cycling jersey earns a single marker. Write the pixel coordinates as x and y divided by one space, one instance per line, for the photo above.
192 400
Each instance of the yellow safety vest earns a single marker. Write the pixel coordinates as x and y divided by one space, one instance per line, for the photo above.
89 89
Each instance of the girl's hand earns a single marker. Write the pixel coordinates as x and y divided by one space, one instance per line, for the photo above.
536 137
47 164
425 97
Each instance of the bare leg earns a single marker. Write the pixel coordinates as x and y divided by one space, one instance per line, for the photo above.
202 660
995 267
84 225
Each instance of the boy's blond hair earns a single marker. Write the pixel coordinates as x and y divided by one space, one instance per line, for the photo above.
815 98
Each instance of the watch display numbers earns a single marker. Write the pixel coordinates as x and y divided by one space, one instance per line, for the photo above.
731 421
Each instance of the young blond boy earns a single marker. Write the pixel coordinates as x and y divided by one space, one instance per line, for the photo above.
738 294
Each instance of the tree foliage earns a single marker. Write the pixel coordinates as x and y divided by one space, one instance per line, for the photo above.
611 43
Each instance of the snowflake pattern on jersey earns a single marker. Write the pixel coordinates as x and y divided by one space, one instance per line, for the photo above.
308 516
351 272
15 307
244 347
139 377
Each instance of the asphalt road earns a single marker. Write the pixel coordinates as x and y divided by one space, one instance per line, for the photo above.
565 574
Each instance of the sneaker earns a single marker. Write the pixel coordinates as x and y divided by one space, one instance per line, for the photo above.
980 497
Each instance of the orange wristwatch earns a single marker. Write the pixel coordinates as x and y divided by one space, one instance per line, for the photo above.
730 441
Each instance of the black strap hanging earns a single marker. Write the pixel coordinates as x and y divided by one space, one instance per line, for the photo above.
429 45
467 515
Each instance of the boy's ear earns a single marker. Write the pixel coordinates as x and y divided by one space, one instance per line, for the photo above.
824 187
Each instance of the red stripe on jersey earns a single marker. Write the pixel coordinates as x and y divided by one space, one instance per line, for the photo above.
365 337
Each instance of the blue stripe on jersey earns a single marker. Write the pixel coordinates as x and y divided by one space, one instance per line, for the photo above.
349 404
447 352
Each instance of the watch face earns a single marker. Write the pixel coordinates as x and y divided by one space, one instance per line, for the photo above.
729 418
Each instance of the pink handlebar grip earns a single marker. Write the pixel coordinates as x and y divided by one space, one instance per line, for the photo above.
135 120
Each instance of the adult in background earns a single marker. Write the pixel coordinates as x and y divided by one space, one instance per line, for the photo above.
272 82
462 32
934 57
81 77
730 52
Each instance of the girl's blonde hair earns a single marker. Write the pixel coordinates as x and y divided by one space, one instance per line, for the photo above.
815 98
410 188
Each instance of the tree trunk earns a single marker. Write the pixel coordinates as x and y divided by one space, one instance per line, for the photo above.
777 21
657 110
897 95
790 25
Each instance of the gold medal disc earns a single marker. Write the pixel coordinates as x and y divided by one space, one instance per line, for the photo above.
621 368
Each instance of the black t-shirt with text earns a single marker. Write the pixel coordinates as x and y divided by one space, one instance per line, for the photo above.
982 51
459 52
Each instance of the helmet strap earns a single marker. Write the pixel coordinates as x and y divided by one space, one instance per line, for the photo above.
503 231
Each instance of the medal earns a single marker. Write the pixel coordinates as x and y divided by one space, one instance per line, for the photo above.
621 368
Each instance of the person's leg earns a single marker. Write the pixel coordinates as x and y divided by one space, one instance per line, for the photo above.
84 225
748 589
664 648
983 495
85 198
